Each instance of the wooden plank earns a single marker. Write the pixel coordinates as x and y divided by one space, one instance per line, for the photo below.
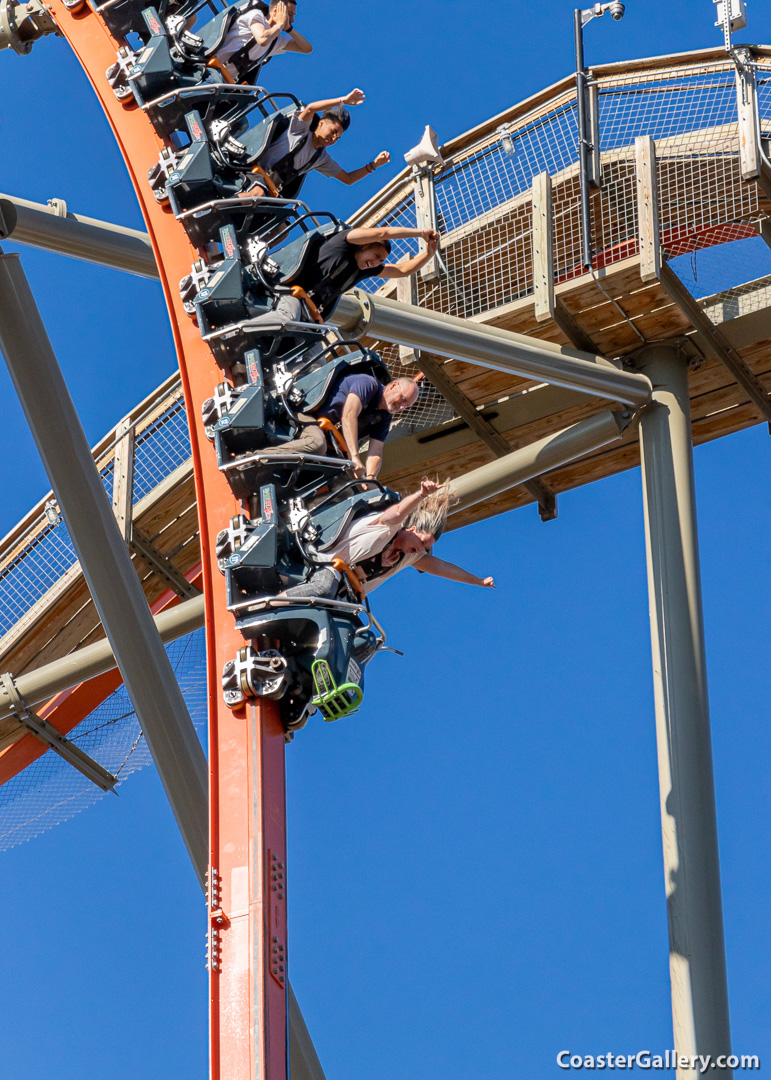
543 247
716 344
123 477
747 108
647 207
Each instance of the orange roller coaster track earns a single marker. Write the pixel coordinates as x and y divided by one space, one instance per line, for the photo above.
248 1000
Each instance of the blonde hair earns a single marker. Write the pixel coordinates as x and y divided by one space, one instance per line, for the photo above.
431 515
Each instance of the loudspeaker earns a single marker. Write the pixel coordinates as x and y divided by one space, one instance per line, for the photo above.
426 152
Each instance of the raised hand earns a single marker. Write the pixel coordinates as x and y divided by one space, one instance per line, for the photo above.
487 583
383 158
429 487
279 16
356 97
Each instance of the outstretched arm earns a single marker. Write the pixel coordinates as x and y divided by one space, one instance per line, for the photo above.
400 511
439 568
355 175
408 267
356 97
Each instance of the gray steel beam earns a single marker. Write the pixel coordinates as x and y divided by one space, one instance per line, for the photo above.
54 740
107 567
540 457
468 412
39 685
360 314
25 222
687 790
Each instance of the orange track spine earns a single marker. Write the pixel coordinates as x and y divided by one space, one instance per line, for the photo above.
248 1010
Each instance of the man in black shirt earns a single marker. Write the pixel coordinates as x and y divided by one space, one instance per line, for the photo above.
345 258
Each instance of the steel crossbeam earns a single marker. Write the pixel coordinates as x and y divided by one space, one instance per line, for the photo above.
360 314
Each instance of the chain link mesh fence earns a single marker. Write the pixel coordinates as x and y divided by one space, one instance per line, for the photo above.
33 562
50 791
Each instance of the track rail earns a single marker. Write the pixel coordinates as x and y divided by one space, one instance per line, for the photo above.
248 1006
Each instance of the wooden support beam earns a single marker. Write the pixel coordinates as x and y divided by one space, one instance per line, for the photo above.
647 207
468 412
123 476
162 566
425 216
543 247
764 230
577 336
747 110
715 342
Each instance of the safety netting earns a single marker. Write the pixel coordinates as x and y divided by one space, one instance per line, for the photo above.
50 791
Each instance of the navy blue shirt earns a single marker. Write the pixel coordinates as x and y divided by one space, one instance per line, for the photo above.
373 421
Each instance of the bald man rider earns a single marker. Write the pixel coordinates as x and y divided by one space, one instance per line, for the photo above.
359 404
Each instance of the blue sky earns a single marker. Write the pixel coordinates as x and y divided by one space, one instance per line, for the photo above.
475 859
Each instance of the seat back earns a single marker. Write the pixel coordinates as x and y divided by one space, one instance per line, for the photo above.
214 32
316 385
332 519
294 256
258 138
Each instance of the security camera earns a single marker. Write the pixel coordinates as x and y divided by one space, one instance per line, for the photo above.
616 10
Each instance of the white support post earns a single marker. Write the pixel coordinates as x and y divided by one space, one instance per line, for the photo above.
425 215
543 247
647 208
747 111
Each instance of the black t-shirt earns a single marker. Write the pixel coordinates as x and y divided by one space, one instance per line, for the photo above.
332 272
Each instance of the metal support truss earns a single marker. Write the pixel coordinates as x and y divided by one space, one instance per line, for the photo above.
357 312
54 739
687 790
360 314
21 24
107 567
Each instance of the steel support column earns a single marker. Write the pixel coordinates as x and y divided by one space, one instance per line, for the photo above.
688 817
107 567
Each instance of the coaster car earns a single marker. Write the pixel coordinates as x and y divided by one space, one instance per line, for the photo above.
216 163
262 555
248 423
325 647
157 67
125 17
323 642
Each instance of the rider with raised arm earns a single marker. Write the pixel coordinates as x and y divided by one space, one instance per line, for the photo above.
368 535
361 406
303 146
256 37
